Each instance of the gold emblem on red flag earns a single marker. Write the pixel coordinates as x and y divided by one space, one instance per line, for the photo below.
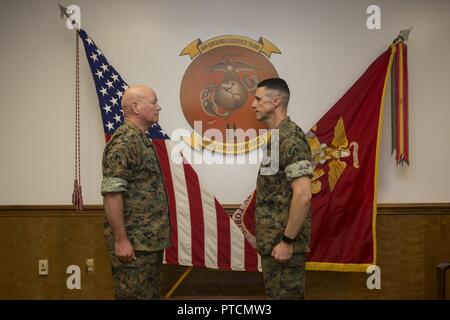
322 154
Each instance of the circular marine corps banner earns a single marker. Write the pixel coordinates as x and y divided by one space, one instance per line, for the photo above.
217 92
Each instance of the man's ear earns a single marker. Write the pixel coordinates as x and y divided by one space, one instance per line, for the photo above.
277 101
135 108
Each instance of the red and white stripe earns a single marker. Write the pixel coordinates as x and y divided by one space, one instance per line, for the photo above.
202 233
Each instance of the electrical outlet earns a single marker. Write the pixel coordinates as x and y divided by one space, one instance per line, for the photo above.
90 265
43 267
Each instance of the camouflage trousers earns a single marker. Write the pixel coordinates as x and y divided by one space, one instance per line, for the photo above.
139 279
284 281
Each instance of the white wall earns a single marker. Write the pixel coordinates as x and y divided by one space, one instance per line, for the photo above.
325 47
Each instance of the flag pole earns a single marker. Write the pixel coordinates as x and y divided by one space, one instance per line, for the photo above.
403 35
179 282
77 197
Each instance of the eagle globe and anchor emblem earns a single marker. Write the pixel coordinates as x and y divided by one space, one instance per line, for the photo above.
232 93
218 87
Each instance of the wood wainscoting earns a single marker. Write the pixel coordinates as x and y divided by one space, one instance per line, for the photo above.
64 238
412 239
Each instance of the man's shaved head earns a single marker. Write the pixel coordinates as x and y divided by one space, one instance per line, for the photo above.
134 95
140 106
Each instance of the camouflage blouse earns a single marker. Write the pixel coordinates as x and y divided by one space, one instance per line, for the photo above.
274 193
130 165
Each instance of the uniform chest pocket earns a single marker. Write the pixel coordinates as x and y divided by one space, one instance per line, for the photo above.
151 161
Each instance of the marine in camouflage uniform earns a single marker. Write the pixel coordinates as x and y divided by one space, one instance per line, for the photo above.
282 280
131 167
273 197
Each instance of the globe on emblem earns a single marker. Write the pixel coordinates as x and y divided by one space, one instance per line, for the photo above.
230 94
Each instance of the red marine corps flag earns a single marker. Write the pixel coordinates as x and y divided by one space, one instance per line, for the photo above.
344 145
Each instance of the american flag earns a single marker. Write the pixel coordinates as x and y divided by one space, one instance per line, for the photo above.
202 233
